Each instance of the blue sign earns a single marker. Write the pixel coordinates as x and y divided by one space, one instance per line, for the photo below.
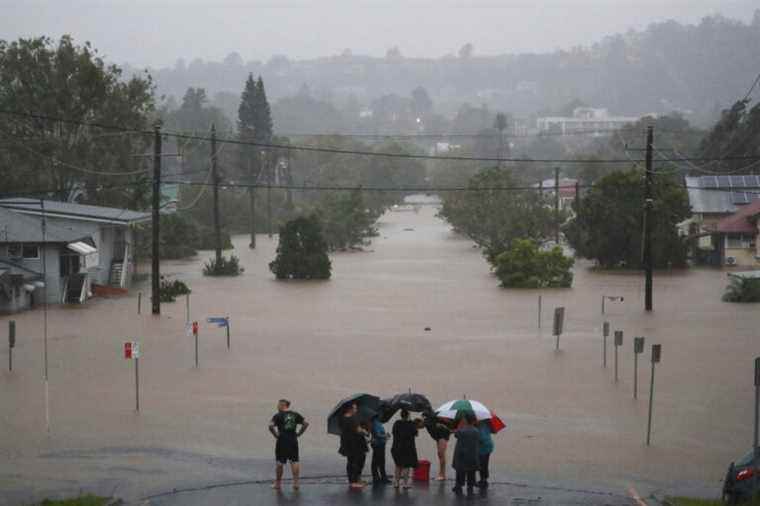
219 321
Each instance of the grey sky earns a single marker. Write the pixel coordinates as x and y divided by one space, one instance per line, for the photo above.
153 32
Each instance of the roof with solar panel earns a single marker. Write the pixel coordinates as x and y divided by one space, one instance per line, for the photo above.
722 194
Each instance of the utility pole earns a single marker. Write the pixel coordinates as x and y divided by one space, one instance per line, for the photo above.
252 200
648 201
43 224
155 269
556 205
215 175
577 198
270 168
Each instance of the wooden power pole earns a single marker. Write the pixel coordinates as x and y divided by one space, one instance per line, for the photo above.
556 205
215 175
155 270
648 203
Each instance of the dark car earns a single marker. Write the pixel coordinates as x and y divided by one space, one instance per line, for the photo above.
742 480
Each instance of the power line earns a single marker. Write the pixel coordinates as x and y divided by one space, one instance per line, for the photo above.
752 88
317 149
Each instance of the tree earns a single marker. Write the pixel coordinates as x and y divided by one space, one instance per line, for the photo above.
254 125
608 226
346 220
465 52
494 216
736 134
524 265
302 251
500 123
422 105
70 81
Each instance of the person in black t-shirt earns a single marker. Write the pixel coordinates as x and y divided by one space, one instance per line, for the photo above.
284 427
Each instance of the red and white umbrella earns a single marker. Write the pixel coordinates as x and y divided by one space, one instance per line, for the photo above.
456 409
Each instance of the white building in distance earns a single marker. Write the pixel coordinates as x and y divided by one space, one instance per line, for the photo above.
584 120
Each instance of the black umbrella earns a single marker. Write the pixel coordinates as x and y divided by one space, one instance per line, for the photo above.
409 401
368 407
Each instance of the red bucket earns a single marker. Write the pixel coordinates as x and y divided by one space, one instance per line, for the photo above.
422 471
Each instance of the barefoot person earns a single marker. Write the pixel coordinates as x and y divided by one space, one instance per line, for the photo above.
284 428
404 449
440 434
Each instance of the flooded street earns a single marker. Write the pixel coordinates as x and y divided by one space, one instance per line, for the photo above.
364 330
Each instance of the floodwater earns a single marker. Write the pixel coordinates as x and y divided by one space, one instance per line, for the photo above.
364 330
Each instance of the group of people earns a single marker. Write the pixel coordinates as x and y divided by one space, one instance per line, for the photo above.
472 452
474 445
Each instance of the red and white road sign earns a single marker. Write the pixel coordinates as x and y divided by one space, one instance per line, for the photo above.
131 350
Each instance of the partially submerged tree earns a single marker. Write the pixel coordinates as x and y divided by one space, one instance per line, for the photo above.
302 251
524 265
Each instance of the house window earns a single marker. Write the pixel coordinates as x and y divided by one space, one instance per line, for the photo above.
30 251
738 241
14 250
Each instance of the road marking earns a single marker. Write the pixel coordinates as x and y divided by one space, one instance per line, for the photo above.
635 496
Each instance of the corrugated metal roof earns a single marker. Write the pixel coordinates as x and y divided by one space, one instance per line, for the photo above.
18 227
72 210
722 194
739 222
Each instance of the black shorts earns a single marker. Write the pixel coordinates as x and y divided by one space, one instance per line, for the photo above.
286 449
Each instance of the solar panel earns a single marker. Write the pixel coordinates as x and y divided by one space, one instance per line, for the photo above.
709 181
753 181
737 182
724 181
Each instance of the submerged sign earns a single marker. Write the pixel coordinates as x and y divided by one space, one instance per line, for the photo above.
219 321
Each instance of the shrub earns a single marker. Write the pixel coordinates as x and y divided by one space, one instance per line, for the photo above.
225 267
302 251
169 290
742 290
524 265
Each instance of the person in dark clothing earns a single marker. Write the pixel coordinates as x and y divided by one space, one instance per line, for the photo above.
284 427
404 449
379 438
353 446
466 453
440 433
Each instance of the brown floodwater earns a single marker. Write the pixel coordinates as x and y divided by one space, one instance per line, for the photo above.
364 330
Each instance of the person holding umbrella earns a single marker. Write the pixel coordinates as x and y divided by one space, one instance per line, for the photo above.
353 445
404 449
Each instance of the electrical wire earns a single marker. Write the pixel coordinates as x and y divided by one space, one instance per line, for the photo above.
331 150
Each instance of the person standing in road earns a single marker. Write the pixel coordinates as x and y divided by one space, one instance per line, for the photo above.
353 446
440 433
379 438
466 454
284 428
404 449
485 449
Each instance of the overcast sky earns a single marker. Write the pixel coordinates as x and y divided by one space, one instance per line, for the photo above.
157 32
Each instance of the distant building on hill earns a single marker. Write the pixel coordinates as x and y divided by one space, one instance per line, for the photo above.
584 120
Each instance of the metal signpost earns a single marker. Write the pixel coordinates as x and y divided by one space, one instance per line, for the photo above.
638 348
132 352
559 323
612 298
187 308
139 301
618 344
757 408
656 352
539 311
11 342
221 321
605 335
195 333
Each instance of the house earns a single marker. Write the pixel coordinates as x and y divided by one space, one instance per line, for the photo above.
713 198
85 249
737 235
567 189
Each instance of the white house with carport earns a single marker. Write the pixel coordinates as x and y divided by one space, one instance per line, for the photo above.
90 246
